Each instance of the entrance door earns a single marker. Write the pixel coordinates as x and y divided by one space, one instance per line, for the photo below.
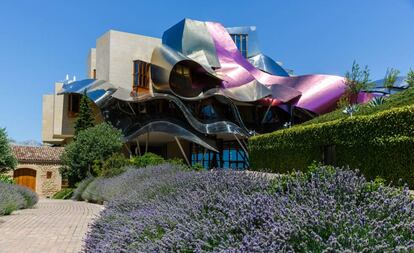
25 177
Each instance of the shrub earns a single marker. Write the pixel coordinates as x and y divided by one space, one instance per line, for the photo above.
356 80
113 166
176 161
373 143
63 194
6 179
197 167
105 189
14 197
410 78
146 160
7 159
95 143
29 196
10 199
326 210
391 77
81 186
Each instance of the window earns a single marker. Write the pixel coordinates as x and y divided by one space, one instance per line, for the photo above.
203 156
74 100
141 75
182 70
241 42
232 156
49 175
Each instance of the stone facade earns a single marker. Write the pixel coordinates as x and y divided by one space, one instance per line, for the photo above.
45 186
43 165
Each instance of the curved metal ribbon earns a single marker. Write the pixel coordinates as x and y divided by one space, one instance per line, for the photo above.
318 92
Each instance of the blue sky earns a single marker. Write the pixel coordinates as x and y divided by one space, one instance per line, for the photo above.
42 41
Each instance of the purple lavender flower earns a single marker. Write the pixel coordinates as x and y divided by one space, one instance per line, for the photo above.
165 209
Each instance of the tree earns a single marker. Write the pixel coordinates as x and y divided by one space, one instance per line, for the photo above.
93 144
390 78
356 81
7 159
85 118
410 78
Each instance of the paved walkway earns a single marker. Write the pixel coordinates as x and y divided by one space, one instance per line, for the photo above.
51 226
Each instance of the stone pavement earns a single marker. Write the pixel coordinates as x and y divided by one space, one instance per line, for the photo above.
51 226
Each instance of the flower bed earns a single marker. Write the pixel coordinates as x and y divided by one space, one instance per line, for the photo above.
164 209
14 197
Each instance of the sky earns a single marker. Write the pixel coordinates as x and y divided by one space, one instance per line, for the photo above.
42 41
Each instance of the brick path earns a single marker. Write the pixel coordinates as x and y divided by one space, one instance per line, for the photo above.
51 226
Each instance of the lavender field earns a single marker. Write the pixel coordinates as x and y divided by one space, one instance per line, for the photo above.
167 209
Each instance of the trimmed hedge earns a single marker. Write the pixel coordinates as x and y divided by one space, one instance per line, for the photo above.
380 144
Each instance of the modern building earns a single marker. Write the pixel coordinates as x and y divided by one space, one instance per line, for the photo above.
197 93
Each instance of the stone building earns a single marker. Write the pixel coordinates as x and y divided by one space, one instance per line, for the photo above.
38 169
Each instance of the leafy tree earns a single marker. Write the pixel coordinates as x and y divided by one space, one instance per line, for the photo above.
7 159
93 144
410 78
356 81
85 118
390 78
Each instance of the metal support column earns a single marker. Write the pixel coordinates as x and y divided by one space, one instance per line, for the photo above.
129 150
241 145
182 151
138 147
267 111
146 143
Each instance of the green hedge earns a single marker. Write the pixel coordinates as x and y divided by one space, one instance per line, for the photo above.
380 144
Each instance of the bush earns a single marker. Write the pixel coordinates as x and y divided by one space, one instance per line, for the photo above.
14 197
63 194
113 166
197 167
6 179
29 196
146 160
95 143
373 143
106 189
326 210
7 159
81 186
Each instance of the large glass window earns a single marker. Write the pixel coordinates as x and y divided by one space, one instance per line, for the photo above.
141 75
241 42
207 158
232 156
